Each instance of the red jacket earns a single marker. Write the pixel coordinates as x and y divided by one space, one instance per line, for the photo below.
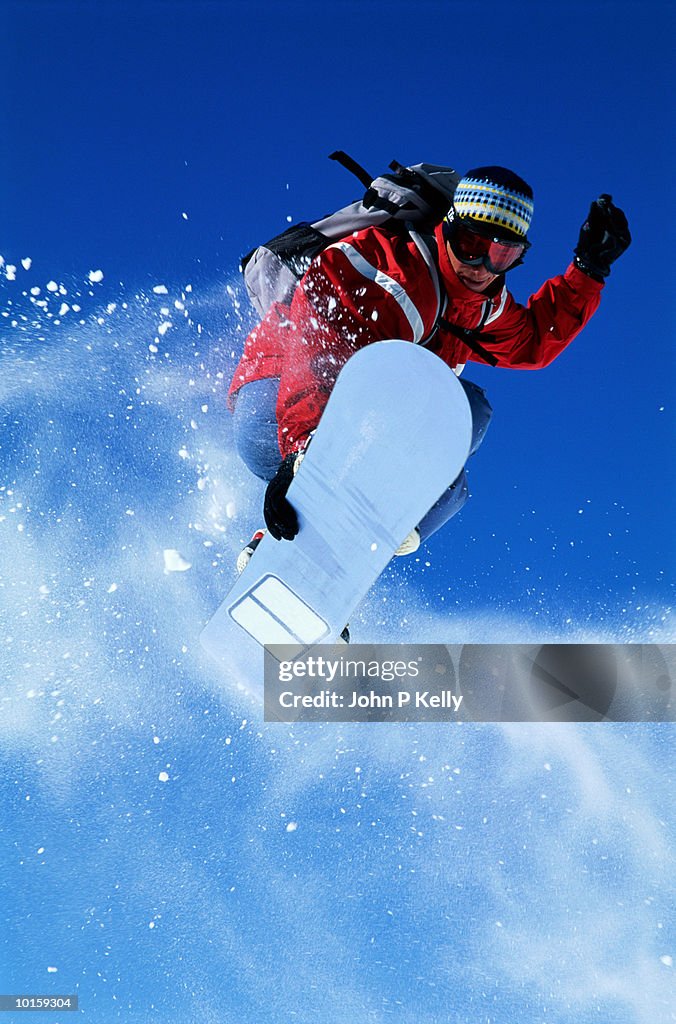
375 286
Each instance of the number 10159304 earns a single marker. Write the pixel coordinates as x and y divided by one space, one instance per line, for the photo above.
32 1002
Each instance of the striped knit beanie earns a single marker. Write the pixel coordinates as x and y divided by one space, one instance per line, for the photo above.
497 197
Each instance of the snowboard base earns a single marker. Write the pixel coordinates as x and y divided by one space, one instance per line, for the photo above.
395 434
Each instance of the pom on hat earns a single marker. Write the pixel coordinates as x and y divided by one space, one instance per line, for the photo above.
495 196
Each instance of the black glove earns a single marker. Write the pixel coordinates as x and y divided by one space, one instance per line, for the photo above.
603 237
280 515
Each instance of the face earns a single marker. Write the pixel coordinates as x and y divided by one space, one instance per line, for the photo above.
477 279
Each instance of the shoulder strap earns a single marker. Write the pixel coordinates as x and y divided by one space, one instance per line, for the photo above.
426 244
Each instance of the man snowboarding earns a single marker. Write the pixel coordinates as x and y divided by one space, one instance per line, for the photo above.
377 284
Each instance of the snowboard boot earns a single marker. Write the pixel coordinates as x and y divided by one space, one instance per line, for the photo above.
410 544
245 554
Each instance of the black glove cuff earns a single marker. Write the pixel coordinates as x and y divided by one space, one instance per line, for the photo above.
591 270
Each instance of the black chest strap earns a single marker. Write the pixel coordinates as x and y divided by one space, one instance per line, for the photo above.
470 337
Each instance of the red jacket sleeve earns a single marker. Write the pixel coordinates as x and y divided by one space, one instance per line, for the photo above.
532 336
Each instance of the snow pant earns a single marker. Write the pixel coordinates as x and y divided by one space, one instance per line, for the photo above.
255 431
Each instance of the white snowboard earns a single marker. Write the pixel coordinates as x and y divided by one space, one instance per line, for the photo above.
394 435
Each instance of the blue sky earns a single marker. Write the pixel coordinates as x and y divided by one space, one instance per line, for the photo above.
169 855
142 113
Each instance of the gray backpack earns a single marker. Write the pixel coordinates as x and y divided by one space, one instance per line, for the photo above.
411 199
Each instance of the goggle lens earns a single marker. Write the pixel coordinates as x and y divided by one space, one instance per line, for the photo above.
472 248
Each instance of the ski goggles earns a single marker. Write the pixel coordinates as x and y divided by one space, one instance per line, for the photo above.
473 247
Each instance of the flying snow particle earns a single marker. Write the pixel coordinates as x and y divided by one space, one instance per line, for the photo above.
184 215
10 272
52 970
292 826
52 286
175 562
95 276
161 289
163 777
668 961
27 263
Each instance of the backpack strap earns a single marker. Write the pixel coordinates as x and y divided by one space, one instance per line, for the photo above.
353 167
427 247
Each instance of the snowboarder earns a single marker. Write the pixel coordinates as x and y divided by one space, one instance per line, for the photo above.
376 285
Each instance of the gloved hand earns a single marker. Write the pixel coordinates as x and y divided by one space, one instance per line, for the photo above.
280 515
603 237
